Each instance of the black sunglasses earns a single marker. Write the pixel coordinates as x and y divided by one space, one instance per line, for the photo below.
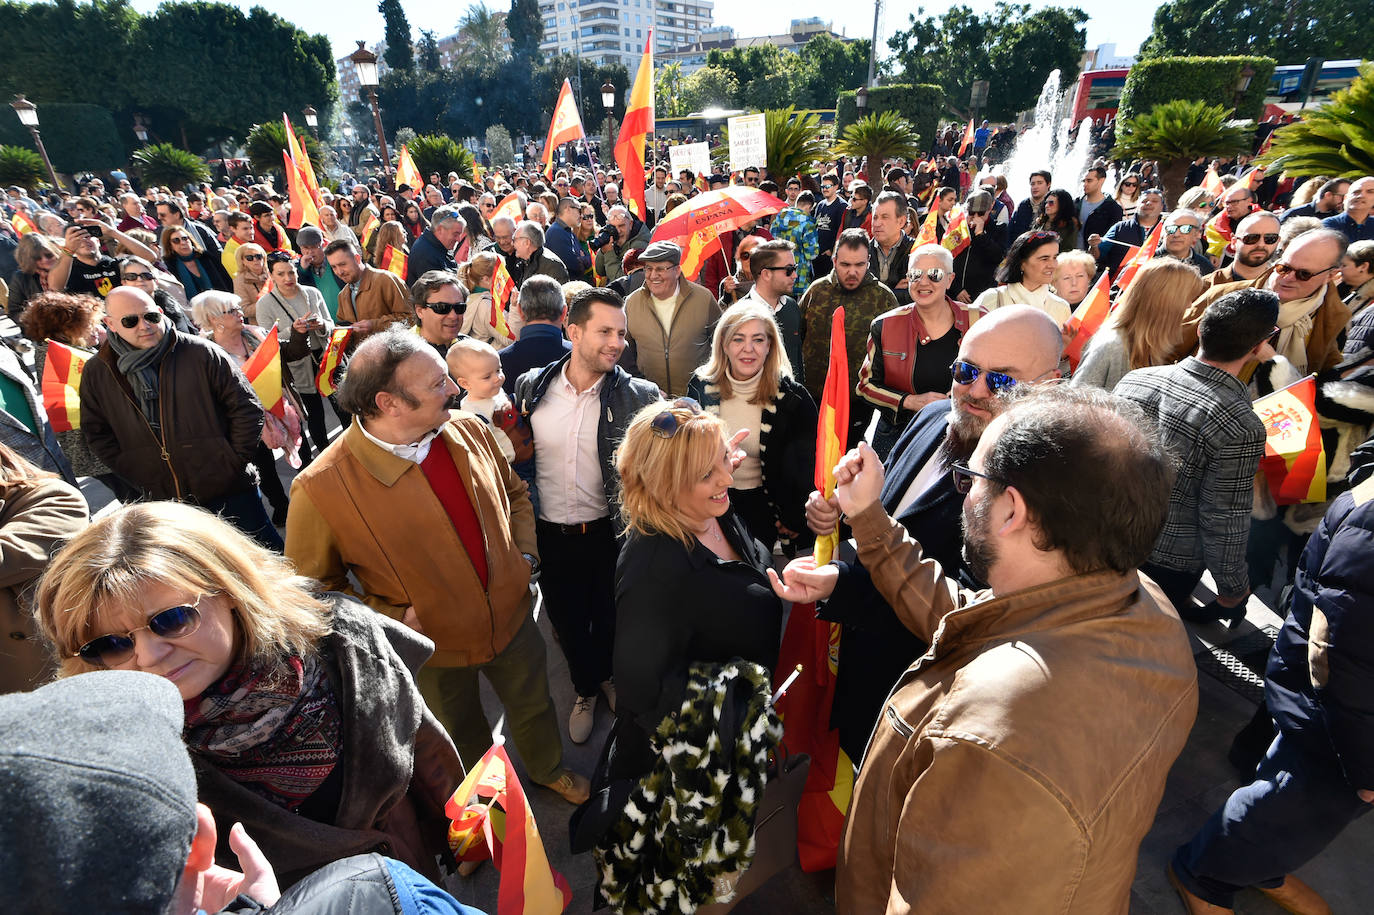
1270 238
114 650
129 322
790 269
443 308
964 477
1303 276
135 277
252 257
967 373
666 423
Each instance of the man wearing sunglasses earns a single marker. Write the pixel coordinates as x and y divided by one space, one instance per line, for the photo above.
441 301
1238 203
171 414
1255 241
1061 693
773 265
1014 345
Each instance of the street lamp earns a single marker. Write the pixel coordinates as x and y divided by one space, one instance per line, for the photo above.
608 102
140 129
861 99
28 116
365 64
312 120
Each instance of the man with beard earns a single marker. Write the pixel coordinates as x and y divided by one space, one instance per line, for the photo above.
1024 755
1016 344
1256 239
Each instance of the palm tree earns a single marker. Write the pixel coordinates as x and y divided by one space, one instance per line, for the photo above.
1337 139
267 141
1175 133
166 164
878 137
482 35
439 153
21 166
668 91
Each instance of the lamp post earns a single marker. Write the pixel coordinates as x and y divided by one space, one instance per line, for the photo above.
1243 85
140 129
312 120
28 116
365 64
861 99
608 102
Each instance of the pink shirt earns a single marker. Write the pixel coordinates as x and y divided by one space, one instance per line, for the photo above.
567 465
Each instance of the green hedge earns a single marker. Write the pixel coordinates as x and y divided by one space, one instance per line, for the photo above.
78 137
1208 79
923 105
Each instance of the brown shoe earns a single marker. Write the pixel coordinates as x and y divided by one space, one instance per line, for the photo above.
571 787
1193 905
1292 895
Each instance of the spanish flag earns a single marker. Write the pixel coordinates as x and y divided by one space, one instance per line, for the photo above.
22 224
957 236
331 360
929 228
1294 459
565 125
296 146
1211 183
1138 257
62 386
504 828
639 121
263 370
367 228
509 206
832 432
703 244
406 172
394 260
1087 319
303 208
968 137
502 287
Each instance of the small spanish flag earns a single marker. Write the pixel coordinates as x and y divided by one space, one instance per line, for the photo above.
1138 257
832 432
957 236
263 370
509 207
1294 459
929 228
62 386
367 228
502 286
968 138
394 260
1211 183
1087 319
22 223
331 360
406 172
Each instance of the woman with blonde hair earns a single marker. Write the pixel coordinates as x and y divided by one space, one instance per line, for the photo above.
1145 326
35 256
302 716
391 234
251 278
479 320
1073 276
748 383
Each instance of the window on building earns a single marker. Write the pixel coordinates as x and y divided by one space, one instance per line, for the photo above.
639 33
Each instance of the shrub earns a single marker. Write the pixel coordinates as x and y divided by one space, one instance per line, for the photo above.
440 153
78 137
1206 79
922 105
1175 133
878 137
267 141
165 164
21 166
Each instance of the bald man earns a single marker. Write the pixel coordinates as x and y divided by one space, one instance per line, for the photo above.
1256 240
1013 345
172 415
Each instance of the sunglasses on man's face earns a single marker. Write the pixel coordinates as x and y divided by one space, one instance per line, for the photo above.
129 322
1303 276
1181 229
790 269
1270 238
967 373
443 308
114 650
964 477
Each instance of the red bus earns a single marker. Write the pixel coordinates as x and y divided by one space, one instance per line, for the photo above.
1099 94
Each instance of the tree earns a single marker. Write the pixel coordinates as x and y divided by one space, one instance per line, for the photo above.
438 153
1336 139
668 91
165 164
428 50
829 66
482 43
1289 31
707 88
525 24
879 137
1175 133
400 55
21 166
1011 47
499 146
768 76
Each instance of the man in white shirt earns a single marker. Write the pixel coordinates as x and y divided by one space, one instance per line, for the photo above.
578 409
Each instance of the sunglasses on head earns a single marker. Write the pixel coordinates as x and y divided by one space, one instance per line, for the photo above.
790 269
443 308
113 650
666 423
129 322
964 477
934 274
967 373
1270 238
1303 276
1180 229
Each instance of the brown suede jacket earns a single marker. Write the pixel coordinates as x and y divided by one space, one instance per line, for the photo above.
382 297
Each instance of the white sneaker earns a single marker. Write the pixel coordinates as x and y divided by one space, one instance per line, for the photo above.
582 719
608 690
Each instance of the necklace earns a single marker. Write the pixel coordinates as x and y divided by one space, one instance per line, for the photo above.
712 531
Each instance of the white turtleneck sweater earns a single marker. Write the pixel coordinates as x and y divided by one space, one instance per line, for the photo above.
738 413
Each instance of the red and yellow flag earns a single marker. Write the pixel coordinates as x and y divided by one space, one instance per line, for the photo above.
62 386
703 244
22 223
504 828
1138 257
304 210
832 432
296 146
929 228
957 236
639 121
502 286
1087 319
406 172
968 137
367 228
332 358
565 125
509 206
263 370
394 260
1294 459
1254 177
1211 183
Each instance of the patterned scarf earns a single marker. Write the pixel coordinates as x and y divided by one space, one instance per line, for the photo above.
274 729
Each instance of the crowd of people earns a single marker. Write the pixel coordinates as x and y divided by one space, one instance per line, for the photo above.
1022 529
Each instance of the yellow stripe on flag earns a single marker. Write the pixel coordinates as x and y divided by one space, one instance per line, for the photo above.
263 370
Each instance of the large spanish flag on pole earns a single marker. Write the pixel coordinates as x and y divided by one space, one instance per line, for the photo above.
832 432
1294 459
62 386
303 209
639 121
296 146
967 141
263 370
406 172
565 125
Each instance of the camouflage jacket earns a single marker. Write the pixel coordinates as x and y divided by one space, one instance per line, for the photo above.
861 306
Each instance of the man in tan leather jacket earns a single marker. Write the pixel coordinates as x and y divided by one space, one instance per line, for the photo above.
1019 762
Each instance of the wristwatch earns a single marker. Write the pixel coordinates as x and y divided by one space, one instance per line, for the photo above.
533 561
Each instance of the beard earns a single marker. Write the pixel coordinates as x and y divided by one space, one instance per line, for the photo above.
965 429
979 552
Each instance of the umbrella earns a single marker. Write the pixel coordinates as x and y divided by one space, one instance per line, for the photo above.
724 210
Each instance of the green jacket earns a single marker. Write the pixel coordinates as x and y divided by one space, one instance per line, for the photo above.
861 306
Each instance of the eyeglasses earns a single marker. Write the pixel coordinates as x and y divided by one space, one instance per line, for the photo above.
790 269
1270 238
967 373
114 650
443 308
1303 276
252 257
588 218
129 322
964 477
1180 230
829 187
666 423
137 277
234 310
934 274
488 206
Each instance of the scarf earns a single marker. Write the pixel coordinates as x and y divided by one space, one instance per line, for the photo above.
195 283
274 728
140 366
1295 326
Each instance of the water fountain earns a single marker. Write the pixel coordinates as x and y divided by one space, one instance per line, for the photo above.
1051 144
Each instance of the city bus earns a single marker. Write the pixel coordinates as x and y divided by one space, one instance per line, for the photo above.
1335 75
1099 94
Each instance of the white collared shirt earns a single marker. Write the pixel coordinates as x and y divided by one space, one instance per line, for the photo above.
567 463
929 474
415 452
